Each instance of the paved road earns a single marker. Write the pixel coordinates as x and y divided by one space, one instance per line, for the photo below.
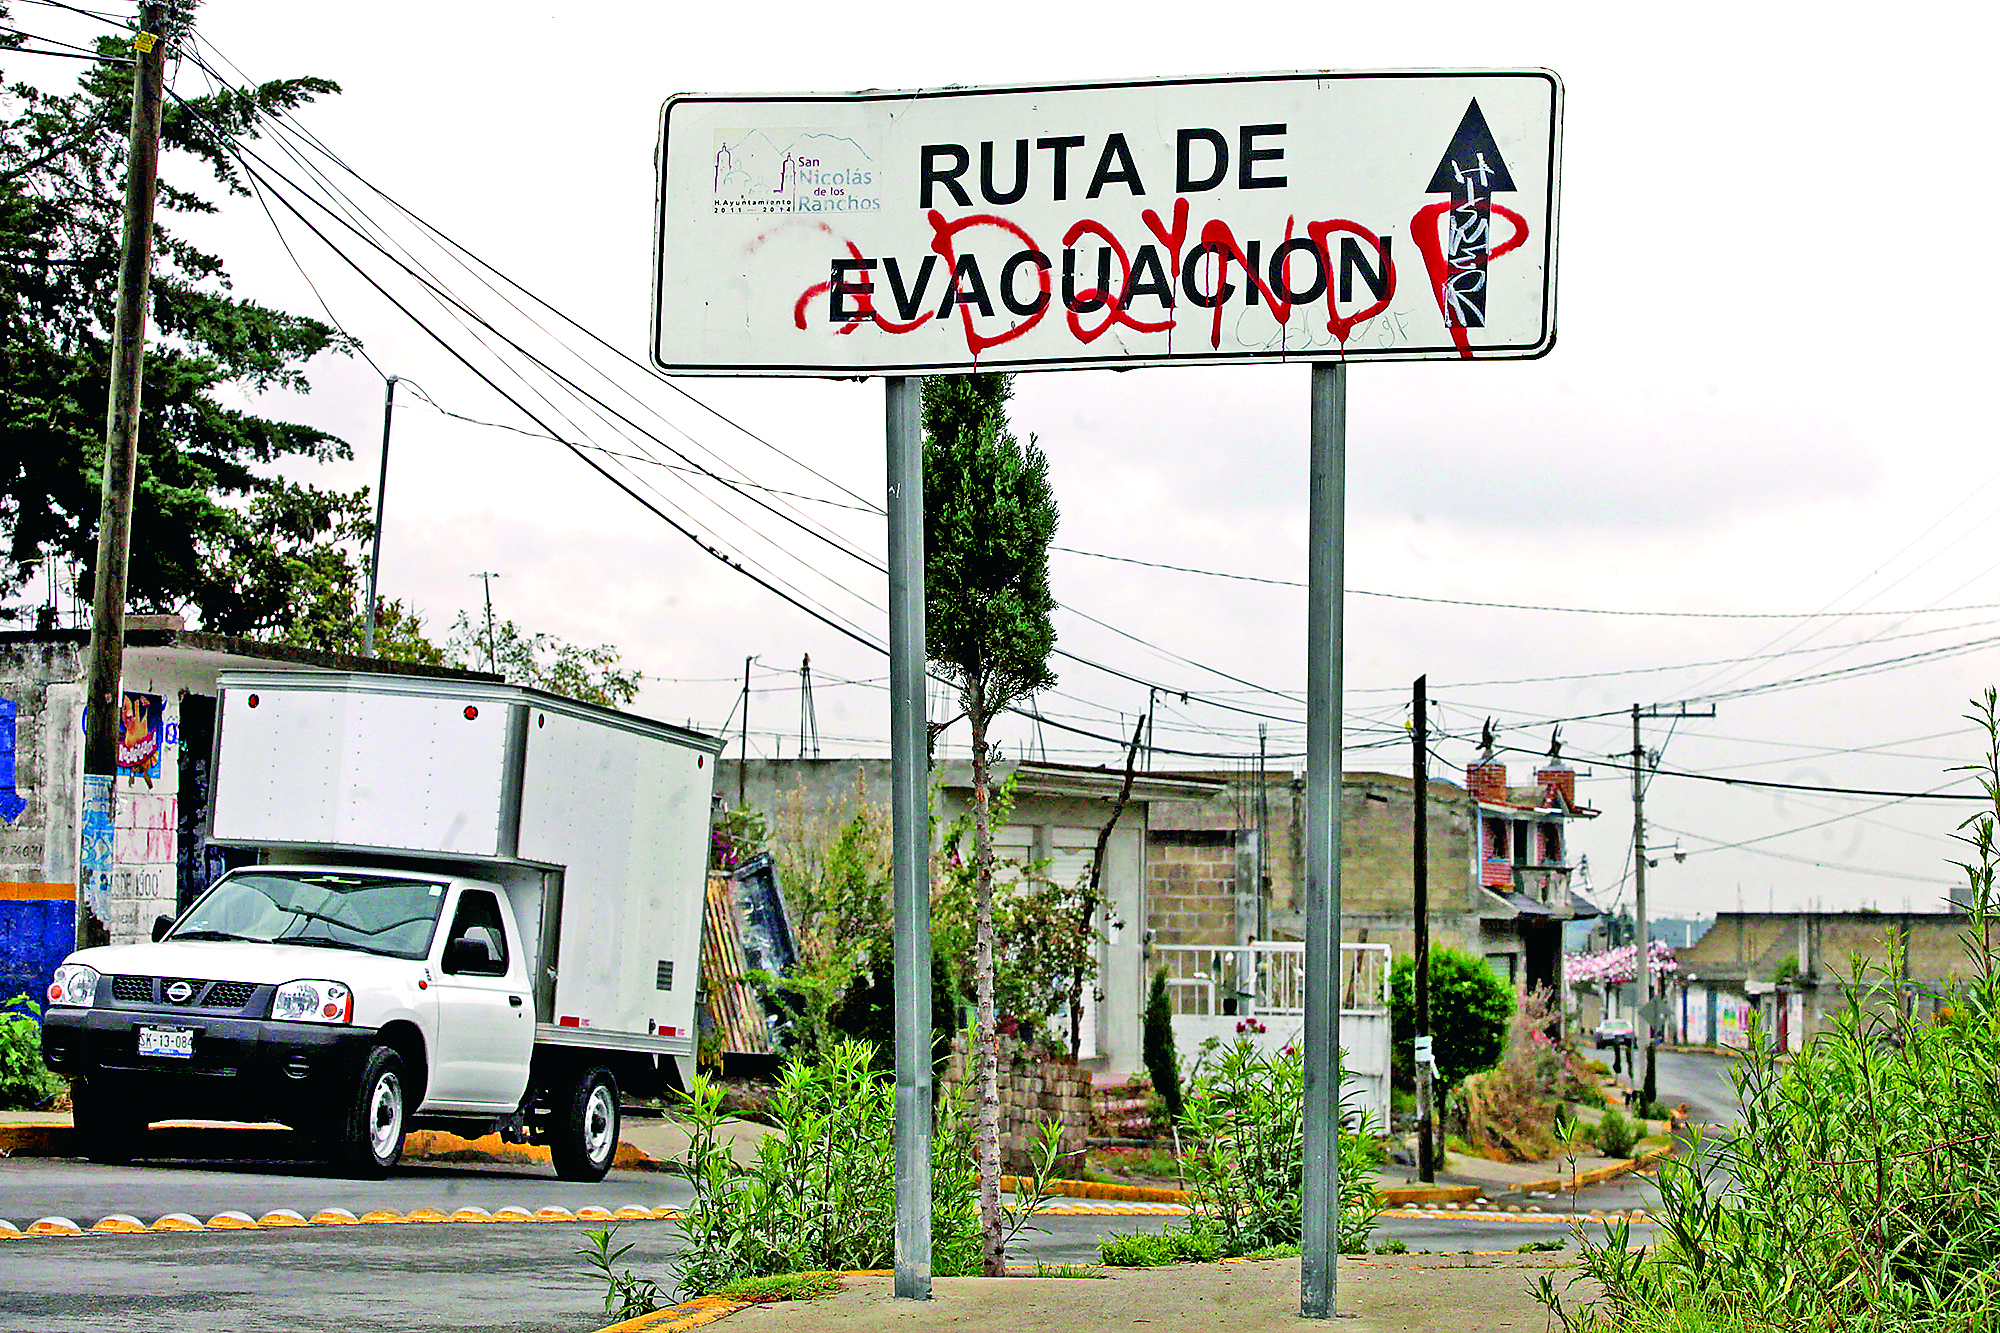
1700 1080
32 1187
416 1278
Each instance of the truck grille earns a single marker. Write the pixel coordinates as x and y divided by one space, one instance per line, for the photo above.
200 994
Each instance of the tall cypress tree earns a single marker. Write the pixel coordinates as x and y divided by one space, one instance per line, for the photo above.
214 529
989 516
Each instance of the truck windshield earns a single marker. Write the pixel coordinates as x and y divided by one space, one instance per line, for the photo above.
368 913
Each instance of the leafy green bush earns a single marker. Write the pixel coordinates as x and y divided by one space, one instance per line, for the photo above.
821 1194
1128 1250
1243 1135
1617 1134
1157 1046
1859 1192
1470 1007
26 1084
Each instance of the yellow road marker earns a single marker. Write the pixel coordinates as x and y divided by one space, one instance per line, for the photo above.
334 1217
383 1217
54 1226
472 1215
232 1221
179 1222
121 1224
283 1217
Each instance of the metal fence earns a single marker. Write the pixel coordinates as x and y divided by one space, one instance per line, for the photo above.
1266 977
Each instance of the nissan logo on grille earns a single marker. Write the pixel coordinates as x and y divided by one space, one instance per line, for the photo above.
180 992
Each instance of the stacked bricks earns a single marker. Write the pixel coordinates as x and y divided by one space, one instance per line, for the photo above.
1561 781
1488 782
1191 887
1032 1090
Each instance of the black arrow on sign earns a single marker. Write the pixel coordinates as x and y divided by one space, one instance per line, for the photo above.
1471 172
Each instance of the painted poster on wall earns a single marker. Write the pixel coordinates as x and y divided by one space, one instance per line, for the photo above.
142 729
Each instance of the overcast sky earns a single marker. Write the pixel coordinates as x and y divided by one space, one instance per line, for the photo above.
1764 399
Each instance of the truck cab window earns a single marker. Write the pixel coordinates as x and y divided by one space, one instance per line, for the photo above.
477 943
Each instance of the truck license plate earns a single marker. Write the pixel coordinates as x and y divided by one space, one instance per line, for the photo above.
178 1042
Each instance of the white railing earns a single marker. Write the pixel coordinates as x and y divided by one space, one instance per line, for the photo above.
1267 977
1256 992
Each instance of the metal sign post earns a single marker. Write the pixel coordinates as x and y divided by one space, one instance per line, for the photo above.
1323 216
1319 1243
911 838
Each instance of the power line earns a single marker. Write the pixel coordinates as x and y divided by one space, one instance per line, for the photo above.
1792 786
1523 606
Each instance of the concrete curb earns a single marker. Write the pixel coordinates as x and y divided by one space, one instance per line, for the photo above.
707 1309
420 1145
1091 1189
1595 1176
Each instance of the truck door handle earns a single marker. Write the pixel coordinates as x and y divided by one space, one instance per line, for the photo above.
514 1000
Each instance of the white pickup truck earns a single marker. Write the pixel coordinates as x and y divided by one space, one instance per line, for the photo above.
478 908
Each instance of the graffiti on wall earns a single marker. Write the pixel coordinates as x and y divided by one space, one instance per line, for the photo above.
11 801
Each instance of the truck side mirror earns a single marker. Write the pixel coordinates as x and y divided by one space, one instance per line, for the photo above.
161 925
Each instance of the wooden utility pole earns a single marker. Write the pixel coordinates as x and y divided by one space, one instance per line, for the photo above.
1420 876
105 665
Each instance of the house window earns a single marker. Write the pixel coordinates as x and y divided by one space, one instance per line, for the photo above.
1552 843
1520 842
1496 839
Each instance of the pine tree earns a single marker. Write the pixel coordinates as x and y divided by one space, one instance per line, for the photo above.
989 516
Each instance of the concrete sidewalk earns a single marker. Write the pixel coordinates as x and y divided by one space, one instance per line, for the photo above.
1400 1294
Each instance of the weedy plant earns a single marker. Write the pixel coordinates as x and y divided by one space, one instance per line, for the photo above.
625 1296
1243 1126
1859 1193
820 1194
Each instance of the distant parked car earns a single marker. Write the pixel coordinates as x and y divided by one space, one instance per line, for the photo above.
1615 1032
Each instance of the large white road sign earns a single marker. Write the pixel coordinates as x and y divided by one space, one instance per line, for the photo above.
1375 216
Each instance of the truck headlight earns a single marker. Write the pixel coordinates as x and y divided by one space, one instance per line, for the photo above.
74 984
313 1002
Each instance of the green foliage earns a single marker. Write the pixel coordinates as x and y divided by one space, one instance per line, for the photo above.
543 661
1858 1193
1788 972
989 515
780 1287
1157 1045
1391 1246
1243 1131
204 461
26 1084
1145 1250
821 1193
1068 1270
625 1296
1617 1133
736 835
1470 1007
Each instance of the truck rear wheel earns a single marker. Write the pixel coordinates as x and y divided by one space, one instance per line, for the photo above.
586 1137
367 1137
110 1131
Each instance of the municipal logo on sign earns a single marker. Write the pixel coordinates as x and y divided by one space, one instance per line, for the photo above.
1361 216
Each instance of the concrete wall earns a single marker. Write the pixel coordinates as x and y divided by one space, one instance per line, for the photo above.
38 839
1192 878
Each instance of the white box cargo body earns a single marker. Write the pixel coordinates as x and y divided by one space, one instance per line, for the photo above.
595 822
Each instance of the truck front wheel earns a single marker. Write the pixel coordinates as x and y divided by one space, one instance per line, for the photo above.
586 1137
368 1131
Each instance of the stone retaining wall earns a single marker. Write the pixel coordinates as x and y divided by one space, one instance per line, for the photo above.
1032 1090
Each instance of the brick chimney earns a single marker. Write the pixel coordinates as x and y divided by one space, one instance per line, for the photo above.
1562 781
1487 782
